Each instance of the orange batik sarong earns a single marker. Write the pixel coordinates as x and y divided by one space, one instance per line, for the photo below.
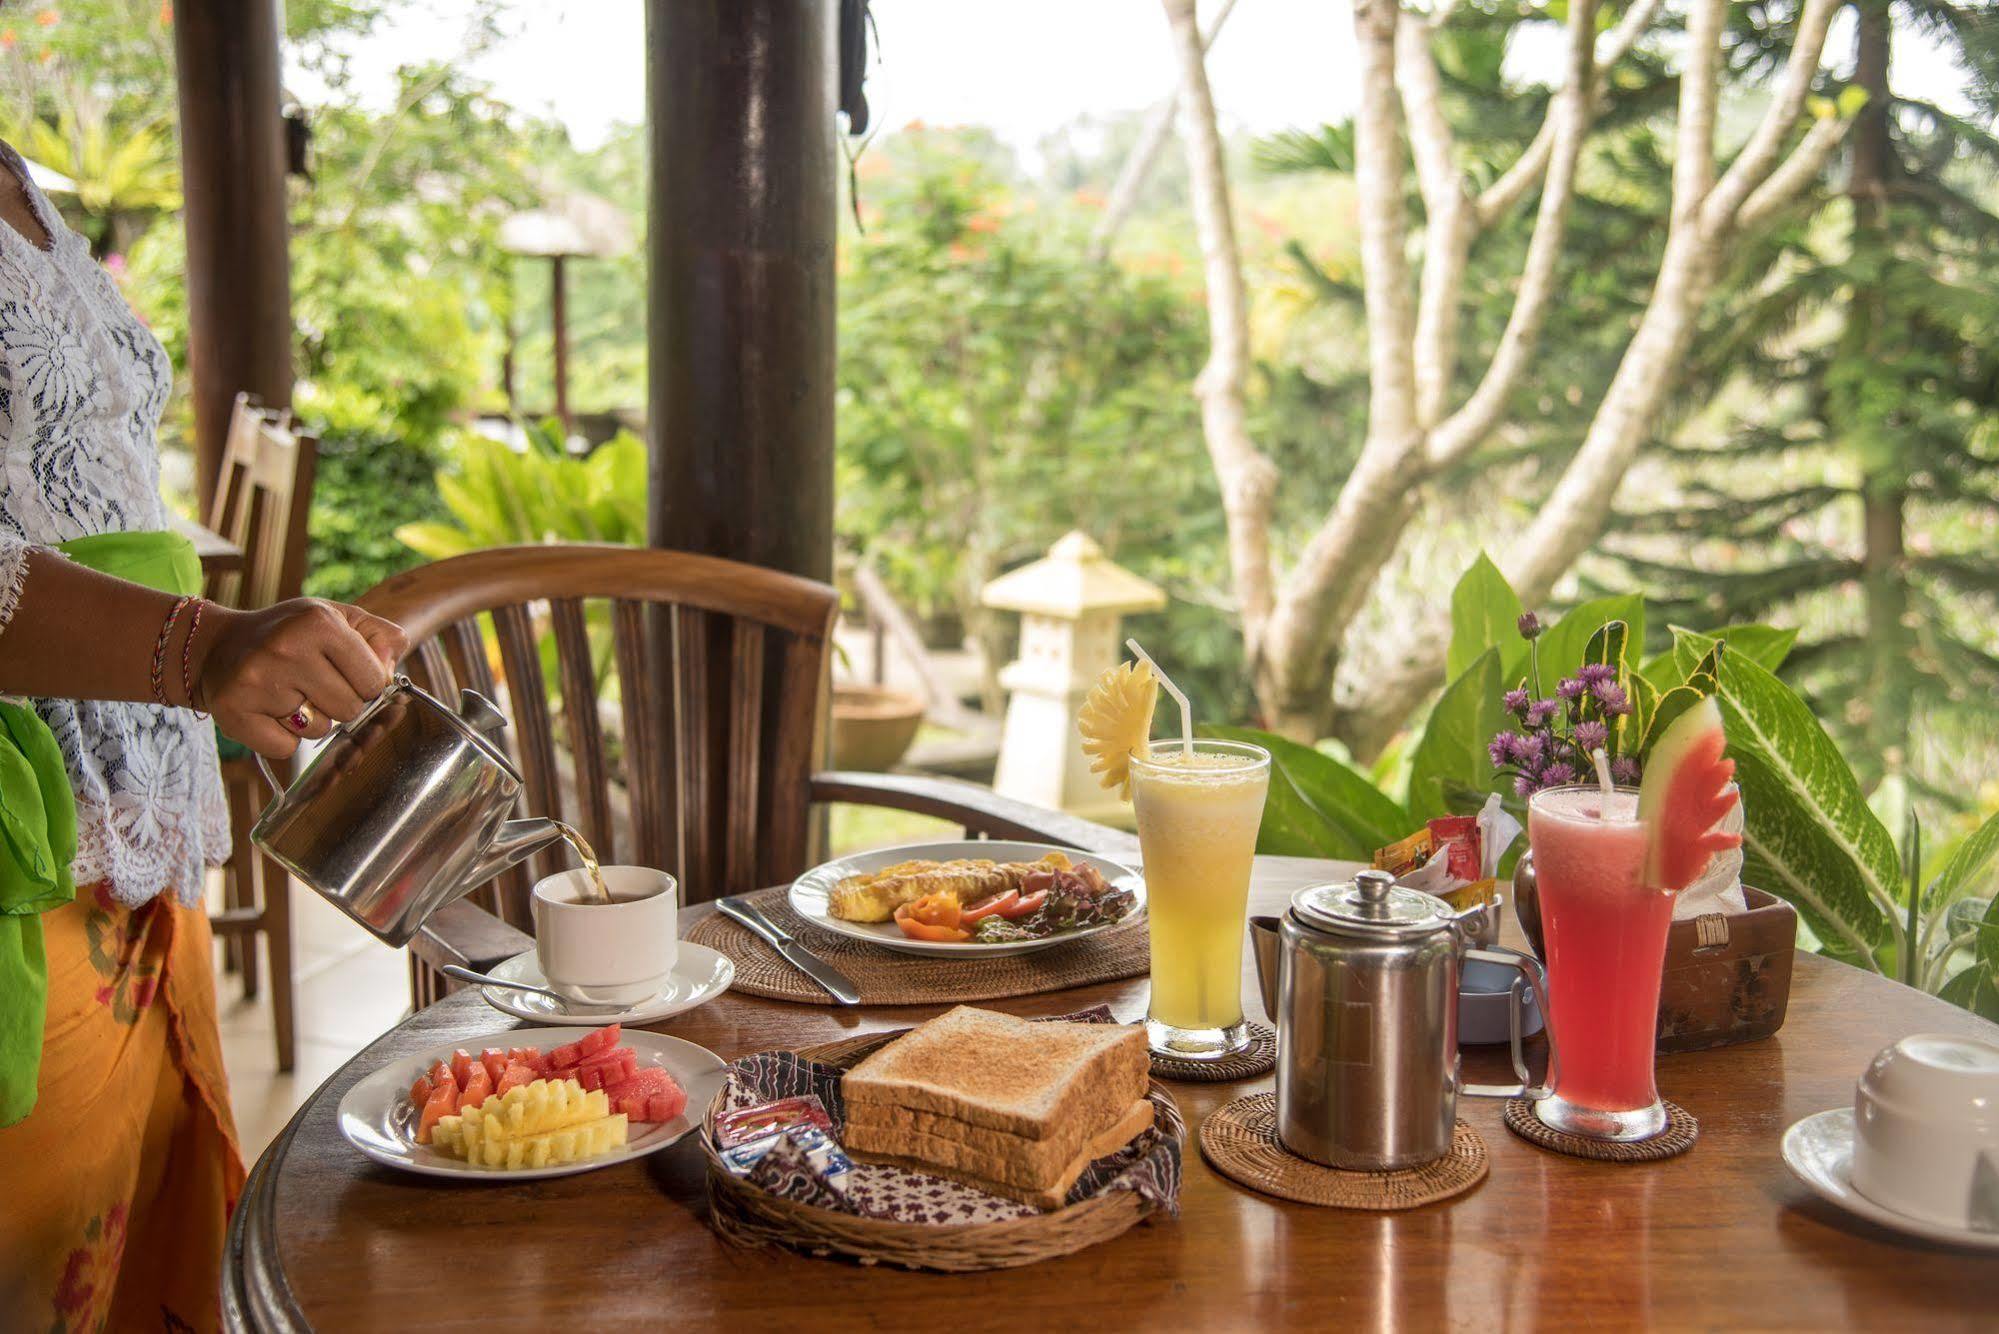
118 1185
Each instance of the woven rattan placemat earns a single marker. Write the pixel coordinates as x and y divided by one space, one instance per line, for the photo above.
1240 1142
887 978
1679 1135
1258 1058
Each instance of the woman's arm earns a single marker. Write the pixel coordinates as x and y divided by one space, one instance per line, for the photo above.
79 634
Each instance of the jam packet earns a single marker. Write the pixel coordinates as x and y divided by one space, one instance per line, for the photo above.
745 1135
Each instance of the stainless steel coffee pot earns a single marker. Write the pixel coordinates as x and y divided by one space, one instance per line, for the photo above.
402 810
1361 978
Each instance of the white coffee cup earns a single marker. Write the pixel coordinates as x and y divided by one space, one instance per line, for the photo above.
617 953
1924 1115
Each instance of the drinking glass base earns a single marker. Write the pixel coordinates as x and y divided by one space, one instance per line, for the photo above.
1558 1113
1197 1044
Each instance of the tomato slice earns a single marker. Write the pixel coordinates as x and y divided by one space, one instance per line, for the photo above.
998 903
910 917
1025 904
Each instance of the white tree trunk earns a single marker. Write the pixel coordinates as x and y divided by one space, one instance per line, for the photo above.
1248 480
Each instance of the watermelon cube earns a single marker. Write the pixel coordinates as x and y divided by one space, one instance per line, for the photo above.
649 1095
495 1061
420 1091
590 1044
440 1073
516 1074
478 1087
534 1058
462 1064
565 1056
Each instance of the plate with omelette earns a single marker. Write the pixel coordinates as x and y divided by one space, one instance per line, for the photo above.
969 898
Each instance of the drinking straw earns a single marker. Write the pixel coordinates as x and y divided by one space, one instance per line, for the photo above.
1186 709
1602 763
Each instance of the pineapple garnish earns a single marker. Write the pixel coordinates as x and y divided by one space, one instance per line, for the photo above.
534 1125
1116 720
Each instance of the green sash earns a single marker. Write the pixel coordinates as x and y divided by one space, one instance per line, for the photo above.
38 821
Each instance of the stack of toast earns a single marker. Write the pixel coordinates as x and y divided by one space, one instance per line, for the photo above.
1012 1107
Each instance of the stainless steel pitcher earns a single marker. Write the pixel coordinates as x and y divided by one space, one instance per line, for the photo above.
1361 978
402 810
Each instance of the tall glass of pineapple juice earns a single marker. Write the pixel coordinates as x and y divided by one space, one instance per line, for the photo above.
1197 820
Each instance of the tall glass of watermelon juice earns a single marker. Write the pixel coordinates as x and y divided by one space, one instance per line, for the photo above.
1198 814
1604 930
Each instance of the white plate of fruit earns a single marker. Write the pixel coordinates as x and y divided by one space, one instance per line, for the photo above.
551 1102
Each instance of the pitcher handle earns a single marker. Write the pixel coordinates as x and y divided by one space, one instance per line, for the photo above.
1532 973
277 788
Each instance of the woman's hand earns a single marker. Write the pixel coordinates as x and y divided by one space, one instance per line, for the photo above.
257 668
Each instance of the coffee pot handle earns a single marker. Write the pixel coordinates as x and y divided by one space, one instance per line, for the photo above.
1535 976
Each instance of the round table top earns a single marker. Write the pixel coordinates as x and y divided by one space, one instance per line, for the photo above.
1723 1236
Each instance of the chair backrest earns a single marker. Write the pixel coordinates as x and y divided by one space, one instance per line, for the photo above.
263 498
720 671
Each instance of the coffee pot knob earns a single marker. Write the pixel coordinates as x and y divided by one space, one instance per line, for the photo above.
1374 887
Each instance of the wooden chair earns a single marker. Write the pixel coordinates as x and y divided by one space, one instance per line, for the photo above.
262 501
722 676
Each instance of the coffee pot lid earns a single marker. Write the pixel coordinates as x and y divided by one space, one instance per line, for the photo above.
1371 904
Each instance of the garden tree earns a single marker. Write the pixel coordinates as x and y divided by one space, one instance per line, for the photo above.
996 388
1294 618
1874 353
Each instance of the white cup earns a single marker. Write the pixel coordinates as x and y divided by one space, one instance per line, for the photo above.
618 953
1924 1114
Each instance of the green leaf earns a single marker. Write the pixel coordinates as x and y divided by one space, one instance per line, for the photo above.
1975 989
1988 930
1485 613
1635 727
1318 806
1967 860
1606 646
1810 837
1452 750
1765 645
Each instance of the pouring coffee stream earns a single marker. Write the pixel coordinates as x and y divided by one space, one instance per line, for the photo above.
404 810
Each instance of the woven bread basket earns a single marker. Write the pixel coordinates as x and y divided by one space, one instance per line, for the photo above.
744 1215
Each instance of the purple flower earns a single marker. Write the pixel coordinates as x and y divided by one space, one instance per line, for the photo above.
1501 749
1591 735
1597 674
1516 700
1542 711
1572 687
1556 774
1529 750
1525 785
1625 770
1529 625
1611 696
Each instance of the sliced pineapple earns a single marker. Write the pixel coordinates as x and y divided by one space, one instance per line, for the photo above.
528 1112
552 1148
1116 720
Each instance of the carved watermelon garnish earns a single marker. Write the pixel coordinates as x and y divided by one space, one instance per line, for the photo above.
1684 796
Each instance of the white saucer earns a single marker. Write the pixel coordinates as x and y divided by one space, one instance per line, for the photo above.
699 976
377 1118
1819 1152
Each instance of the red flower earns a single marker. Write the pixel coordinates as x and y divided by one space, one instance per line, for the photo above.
48 18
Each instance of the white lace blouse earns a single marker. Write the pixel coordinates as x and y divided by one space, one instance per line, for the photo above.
82 386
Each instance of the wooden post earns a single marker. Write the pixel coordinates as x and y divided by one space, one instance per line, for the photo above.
740 243
232 136
558 306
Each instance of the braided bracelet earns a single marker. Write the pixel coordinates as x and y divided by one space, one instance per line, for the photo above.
160 651
187 656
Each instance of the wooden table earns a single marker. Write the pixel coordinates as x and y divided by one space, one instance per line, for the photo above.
218 554
1720 1238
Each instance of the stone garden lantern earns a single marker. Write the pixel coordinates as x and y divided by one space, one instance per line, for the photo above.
1070 602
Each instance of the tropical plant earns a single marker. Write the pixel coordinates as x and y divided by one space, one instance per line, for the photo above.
1810 835
125 175
498 495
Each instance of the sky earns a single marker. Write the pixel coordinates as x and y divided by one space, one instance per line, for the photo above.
1022 67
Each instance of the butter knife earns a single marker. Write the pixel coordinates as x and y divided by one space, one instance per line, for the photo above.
805 961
